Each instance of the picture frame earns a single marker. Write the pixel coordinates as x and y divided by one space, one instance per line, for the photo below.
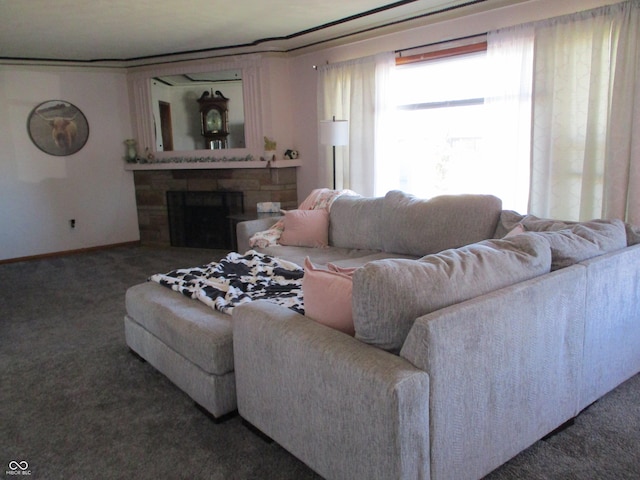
58 127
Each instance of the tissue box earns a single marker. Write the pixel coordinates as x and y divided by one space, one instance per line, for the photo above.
268 207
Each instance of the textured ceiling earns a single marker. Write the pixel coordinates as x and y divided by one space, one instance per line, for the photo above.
135 30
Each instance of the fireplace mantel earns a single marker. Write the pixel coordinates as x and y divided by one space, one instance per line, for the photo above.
212 165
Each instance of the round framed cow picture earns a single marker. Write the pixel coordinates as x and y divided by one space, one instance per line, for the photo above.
58 128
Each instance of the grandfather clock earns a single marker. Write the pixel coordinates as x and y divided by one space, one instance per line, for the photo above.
214 115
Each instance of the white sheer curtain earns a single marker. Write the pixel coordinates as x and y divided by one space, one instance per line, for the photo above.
352 91
622 168
508 109
585 159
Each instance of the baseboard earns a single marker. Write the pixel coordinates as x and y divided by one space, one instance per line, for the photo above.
64 253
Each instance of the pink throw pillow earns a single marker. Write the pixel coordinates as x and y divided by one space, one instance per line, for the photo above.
327 296
305 228
517 230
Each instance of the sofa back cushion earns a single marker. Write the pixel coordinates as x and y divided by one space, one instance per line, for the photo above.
356 222
571 242
420 227
583 241
510 219
389 295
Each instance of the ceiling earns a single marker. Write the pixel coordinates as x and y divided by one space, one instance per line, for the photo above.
143 31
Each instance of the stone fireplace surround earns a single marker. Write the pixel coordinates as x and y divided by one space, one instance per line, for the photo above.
257 185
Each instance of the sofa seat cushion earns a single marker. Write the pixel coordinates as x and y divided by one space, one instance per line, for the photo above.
360 261
420 227
388 295
319 256
190 328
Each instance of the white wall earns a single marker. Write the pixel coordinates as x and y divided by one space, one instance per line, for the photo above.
40 193
279 111
304 86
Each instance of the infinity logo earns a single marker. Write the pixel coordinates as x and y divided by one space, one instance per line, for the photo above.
23 465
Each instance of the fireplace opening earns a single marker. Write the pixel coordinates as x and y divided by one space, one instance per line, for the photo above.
200 219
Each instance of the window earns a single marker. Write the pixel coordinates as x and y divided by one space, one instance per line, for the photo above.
445 134
435 145
438 125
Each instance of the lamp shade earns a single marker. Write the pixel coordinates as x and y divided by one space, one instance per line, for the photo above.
334 132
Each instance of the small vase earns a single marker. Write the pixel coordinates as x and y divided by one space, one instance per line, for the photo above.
132 154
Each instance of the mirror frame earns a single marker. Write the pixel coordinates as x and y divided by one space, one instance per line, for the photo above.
139 82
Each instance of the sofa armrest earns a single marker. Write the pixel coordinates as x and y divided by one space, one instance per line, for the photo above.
245 230
347 409
504 370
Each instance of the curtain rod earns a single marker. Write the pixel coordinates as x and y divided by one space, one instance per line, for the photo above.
401 50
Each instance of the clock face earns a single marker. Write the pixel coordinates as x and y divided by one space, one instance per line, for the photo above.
213 121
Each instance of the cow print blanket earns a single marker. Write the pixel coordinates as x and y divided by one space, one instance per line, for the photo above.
238 279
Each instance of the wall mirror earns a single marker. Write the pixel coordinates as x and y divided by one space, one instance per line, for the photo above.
174 90
198 111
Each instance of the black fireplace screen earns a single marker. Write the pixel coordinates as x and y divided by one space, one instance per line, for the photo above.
201 219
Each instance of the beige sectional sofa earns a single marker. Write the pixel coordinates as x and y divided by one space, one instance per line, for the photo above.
192 344
468 347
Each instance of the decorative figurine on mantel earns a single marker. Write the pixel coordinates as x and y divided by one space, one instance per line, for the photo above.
291 154
269 150
132 153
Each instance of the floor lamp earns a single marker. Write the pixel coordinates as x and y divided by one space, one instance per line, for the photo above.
335 133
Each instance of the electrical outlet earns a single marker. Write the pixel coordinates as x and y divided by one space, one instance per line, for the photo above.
72 223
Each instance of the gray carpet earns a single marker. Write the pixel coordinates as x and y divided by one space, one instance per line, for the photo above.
76 404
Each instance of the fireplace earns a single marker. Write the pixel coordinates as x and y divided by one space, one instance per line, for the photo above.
200 219
257 185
